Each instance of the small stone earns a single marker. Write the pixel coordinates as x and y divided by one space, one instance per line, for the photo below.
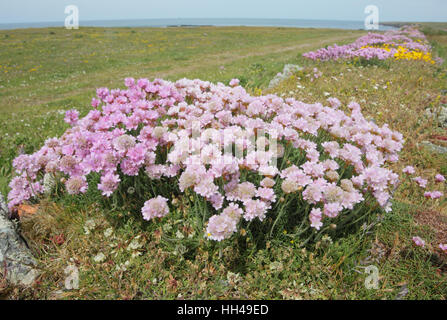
108 232
100 257
440 116
434 148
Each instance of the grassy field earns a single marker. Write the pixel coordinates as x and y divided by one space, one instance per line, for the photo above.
47 71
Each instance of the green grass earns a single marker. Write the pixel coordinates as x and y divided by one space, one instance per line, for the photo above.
171 259
163 263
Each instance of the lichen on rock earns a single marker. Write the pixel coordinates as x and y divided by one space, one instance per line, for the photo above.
18 265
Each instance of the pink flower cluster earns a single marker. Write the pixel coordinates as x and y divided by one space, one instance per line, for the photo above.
419 242
194 123
371 46
422 183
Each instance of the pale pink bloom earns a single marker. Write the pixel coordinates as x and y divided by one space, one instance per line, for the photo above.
313 193
267 182
419 242
216 200
433 194
234 82
421 182
245 191
409 170
188 179
129 82
124 142
268 171
95 102
255 209
233 211
443 247
220 227
332 209
77 184
333 193
315 218
333 148
439 178
266 194
155 208
71 117
109 183
206 187
334 102
289 186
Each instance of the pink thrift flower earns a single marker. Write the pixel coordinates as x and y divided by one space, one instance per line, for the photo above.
76 185
443 247
332 209
419 242
129 82
439 178
95 103
255 209
421 182
234 82
155 208
266 194
220 227
216 200
315 218
409 170
433 194
267 182
146 129
108 184
71 117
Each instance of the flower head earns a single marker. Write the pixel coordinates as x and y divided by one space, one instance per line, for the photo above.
409 170
71 117
419 242
109 183
234 82
315 218
155 208
439 178
76 184
220 227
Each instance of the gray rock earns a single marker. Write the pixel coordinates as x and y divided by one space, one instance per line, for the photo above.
440 116
16 260
433 147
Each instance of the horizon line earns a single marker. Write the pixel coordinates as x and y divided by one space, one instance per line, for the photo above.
215 18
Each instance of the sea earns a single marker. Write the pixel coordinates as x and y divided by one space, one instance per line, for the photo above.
190 22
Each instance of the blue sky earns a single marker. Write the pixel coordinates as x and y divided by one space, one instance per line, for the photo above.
13 11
